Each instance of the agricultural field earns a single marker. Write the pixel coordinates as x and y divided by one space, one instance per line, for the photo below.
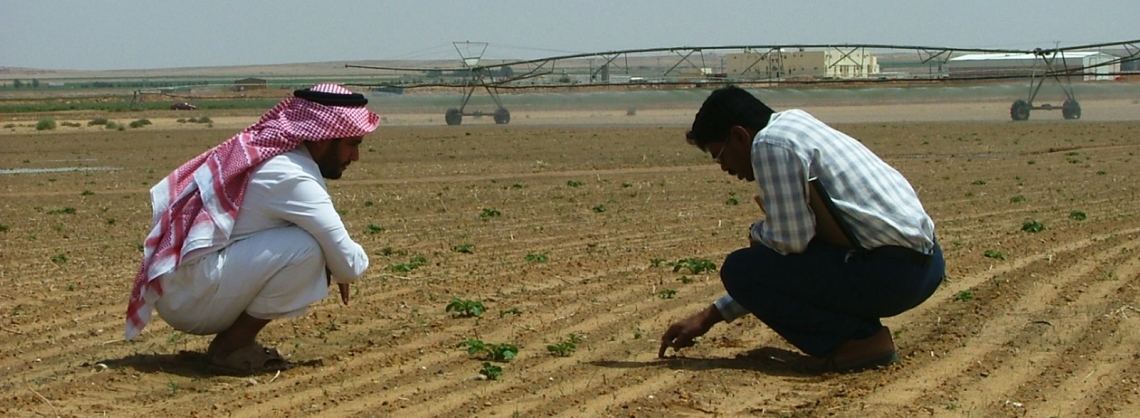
530 269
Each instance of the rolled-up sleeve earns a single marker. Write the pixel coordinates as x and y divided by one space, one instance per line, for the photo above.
305 203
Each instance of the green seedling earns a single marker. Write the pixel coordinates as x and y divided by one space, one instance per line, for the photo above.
1032 226
466 248
473 345
62 211
415 263
388 251
667 294
1017 199
964 296
59 258
599 208
732 201
536 257
995 254
565 347
656 262
491 371
512 311
465 307
489 213
574 183
501 352
979 182
685 279
374 229
1077 215
495 352
694 265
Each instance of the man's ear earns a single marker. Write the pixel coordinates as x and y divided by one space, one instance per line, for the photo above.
740 133
317 148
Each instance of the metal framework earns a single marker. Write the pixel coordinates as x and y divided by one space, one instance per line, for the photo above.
935 59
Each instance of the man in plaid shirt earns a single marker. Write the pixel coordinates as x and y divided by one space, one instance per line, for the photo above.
844 241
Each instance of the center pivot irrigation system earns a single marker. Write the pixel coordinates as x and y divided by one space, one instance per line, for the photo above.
772 65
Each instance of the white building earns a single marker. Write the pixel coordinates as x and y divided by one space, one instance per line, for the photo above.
995 65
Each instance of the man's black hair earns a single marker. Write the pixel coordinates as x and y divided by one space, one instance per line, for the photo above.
724 108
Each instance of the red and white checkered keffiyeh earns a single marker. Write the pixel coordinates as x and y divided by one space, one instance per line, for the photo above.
196 205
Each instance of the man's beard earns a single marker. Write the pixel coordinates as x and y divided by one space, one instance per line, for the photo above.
330 166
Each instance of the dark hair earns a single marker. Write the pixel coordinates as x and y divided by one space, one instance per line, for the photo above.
724 108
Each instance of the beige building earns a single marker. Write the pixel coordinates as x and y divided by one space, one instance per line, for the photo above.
784 64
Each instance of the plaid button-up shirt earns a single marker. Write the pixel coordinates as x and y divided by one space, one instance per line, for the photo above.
875 200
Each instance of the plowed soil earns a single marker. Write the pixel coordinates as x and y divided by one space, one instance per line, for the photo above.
566 228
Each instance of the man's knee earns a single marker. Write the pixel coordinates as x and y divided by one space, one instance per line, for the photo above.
735 268
297 244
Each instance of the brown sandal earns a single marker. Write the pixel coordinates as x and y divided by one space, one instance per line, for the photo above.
251 359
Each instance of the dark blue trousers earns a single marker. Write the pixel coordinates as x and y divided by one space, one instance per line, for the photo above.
820 298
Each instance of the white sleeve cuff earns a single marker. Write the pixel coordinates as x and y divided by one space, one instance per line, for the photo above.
729 309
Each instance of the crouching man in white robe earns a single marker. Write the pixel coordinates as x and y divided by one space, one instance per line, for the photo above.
247 233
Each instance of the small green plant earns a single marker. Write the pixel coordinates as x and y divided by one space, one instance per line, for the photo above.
979 182
71 124
111 125
87 193
565 347
1077 215
599 208
59 258
995 255
389 251
489 213
964 296
97 121
495 352
45 124
465 307
4 228
685 279
62 211
732 201
536 257
415 263
466 248
667 294
374 229
140 123
512 311
491 371
694 265
1017 199
656 262
473 345
574 183
1032 226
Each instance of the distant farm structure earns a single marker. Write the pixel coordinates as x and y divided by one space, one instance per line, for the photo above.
1091 65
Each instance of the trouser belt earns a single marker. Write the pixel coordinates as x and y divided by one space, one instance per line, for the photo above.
902 253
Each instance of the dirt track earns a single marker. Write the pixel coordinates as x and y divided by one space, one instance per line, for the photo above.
1027 324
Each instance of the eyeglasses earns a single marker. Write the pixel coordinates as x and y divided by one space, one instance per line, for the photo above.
719 154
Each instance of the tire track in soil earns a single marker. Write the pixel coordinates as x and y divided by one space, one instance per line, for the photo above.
530 368
1073 384
1005 360
957 342
437 361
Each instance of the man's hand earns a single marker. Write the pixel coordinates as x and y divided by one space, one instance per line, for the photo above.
681 334
342 286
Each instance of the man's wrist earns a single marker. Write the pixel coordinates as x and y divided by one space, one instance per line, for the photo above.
712 316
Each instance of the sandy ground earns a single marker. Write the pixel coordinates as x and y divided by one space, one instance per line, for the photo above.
1027 324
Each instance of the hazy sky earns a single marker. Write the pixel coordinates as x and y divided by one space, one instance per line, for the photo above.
146 34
